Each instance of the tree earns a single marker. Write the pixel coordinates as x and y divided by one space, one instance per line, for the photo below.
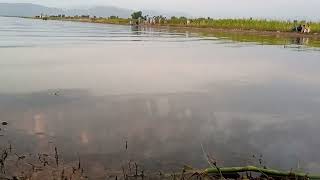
182 18
174 18
137 15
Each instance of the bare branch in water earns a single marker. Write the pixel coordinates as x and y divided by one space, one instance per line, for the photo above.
79 162
56 156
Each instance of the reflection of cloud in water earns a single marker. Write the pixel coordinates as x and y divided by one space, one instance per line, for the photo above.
163 106
84 137
169 128
39 124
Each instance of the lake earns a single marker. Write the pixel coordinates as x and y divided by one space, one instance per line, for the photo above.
161 97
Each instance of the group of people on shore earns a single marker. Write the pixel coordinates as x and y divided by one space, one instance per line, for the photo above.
149 20
305 28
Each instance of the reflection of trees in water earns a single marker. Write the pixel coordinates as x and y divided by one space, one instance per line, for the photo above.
136 29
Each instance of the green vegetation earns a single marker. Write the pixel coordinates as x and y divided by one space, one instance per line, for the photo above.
111 20
242 24
136 15
264 38
229 24
266 172
241 30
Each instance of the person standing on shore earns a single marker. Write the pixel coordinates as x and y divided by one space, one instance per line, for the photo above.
303 28
299 28
308 29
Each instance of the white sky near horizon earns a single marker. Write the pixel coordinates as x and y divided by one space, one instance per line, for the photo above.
275 9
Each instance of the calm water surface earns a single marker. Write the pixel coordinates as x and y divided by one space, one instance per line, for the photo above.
89 88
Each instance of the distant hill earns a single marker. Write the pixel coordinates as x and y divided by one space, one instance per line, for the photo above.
24 9
30 10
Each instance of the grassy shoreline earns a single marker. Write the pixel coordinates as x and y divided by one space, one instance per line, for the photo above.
233 25
265 37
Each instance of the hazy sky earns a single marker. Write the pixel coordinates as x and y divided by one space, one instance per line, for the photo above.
301 9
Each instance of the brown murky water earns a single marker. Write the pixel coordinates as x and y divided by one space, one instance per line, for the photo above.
89 88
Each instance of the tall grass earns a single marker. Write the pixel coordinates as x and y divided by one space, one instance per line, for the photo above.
111 20
243 24
234 24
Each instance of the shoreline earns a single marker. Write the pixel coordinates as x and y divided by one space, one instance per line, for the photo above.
219 32
249 32
191 28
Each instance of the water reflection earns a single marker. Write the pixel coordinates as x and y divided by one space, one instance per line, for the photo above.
136 29
167 100
169 128
301 41
37 33
285 40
